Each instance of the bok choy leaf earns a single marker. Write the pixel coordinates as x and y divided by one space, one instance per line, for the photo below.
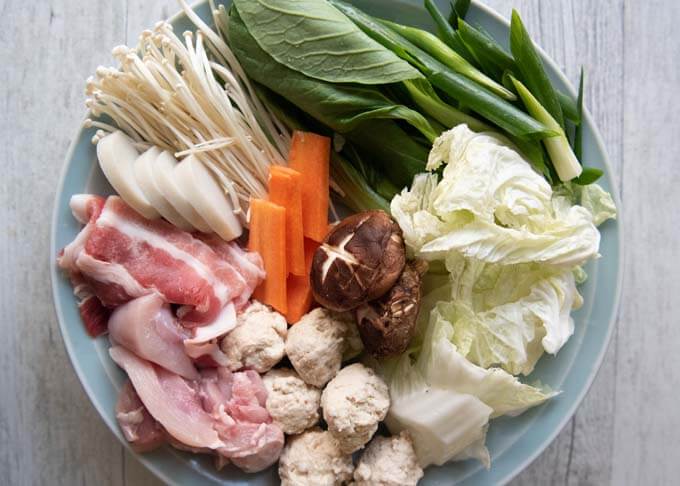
320 42
342 107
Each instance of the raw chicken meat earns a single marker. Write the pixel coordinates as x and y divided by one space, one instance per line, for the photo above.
147 327
170 400
139 427
221 411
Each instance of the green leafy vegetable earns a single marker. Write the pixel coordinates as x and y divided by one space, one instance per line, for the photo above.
467 92
509 315
599 202
355 193
341 107
445 402
563 159
490 205
531 68
459 10
447 56
394 153
314 38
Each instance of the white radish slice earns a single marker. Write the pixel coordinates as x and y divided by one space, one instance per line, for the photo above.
117 155
208 197
167 183
144 167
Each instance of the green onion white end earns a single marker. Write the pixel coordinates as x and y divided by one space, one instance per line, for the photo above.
562 156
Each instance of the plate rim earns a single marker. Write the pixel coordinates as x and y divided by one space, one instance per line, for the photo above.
597 362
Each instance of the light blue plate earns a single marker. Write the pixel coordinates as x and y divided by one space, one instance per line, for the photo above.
512 442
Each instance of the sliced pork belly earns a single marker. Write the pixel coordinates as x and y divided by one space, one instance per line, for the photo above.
162 258
170 400
147 327
249 264
86 209
139 427
94 315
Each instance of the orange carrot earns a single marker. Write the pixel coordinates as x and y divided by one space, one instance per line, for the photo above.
299 289
285 189
309 155
268 238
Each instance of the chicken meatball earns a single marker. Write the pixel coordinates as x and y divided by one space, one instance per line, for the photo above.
316 344
258 340
353 403
292 403
388 461
313 458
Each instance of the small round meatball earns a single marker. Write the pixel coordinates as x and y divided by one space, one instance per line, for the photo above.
353 403
292 403
388 461
314 459
258 340
316 344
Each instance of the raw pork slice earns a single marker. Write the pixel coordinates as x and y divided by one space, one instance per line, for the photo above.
249 264
122 256
94 315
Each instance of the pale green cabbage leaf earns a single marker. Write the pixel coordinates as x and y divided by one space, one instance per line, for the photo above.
508 315
492 206
445 401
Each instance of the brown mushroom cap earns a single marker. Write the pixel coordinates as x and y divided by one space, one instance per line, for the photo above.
387 325
360 260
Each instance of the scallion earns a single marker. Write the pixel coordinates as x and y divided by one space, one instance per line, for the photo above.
447 56
561 155
531 68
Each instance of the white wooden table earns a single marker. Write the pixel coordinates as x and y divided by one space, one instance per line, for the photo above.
628 429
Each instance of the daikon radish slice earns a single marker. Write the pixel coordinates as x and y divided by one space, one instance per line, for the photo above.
144 167
207 197
117 156
164 171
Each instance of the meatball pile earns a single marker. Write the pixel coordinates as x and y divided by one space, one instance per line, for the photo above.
352 400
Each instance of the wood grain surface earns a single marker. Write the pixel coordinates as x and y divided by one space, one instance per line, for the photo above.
627 431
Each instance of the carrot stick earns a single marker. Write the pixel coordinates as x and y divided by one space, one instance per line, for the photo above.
285 189
268 238
299 288
309 155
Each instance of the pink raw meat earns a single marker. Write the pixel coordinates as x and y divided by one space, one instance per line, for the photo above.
249 264
139 427
147 327
170 400
94 315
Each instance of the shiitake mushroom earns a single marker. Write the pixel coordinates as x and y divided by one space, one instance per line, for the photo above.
387 325
360 260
